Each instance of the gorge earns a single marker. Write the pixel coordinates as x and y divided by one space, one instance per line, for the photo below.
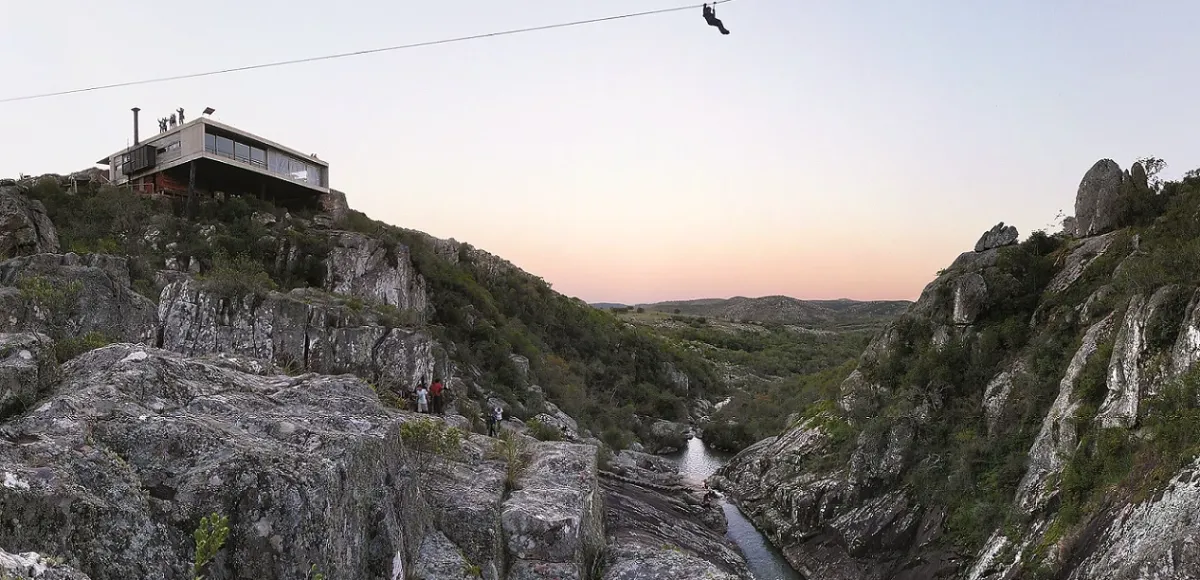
1034 414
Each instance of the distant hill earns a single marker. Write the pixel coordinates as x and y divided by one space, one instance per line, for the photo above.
607 305
787 310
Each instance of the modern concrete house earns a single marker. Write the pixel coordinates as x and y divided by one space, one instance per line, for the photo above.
209 158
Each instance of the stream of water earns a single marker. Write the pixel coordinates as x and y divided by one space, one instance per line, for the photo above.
696 463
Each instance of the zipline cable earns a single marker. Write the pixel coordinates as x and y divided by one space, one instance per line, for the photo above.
359 52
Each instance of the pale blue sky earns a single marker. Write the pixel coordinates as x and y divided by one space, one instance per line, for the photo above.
823 149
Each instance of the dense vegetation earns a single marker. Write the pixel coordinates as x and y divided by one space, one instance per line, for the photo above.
597 369
763 410
827 314
778 370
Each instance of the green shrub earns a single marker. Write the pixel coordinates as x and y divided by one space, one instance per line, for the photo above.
55 301
513 450
237 277
68 348
427 441
209 537
617 438
543 432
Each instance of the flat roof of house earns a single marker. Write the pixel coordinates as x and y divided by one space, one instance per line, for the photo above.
208 121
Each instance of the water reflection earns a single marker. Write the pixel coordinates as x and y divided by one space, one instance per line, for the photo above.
697 463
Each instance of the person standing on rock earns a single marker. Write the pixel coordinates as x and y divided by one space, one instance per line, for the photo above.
422 399
493 421
435 391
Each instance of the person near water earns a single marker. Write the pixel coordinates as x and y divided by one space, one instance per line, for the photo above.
710 16
422 399
435 391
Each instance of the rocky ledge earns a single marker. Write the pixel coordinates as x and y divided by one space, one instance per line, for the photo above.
659 528
118 455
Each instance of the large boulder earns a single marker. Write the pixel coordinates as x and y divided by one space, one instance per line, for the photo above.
115 469
970 298
467 497
663 437
334 203
27 369
1098 202
999 236
557 419
24 226
554 520
72 295
654 535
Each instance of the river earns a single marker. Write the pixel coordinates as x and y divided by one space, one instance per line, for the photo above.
697 463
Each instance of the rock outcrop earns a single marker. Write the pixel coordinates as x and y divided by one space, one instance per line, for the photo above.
27 369
303 329
663 437
116 467
109 461
362 266
1100 202
25 228
74 295
1032 375
468 498
652 535
999 236
334 203
554 520
659 526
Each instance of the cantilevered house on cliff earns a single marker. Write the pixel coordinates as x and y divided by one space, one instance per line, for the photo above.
207 158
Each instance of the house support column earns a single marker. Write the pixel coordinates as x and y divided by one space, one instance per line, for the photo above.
191 192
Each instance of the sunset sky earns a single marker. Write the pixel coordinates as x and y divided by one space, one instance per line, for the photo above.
822 150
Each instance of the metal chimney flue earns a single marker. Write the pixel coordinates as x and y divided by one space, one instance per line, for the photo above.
135 125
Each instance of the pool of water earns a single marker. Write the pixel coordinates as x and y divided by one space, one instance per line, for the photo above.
697 463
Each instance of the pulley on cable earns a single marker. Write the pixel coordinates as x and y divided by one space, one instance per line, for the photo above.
710 16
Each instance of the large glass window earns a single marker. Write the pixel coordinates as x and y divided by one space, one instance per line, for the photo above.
277 163
316 176
224 146
242 151
299 170
272 161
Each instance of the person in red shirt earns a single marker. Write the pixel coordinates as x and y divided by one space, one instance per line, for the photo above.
436 390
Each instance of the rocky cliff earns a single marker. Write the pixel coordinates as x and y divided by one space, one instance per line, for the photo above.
143 392
1035 414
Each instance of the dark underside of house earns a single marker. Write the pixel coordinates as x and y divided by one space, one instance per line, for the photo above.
215 179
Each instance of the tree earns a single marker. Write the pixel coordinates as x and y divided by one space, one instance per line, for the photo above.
1153 166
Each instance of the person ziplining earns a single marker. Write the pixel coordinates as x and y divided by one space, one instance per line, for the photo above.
710 16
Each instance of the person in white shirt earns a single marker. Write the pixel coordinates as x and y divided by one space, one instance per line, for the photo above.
422 399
